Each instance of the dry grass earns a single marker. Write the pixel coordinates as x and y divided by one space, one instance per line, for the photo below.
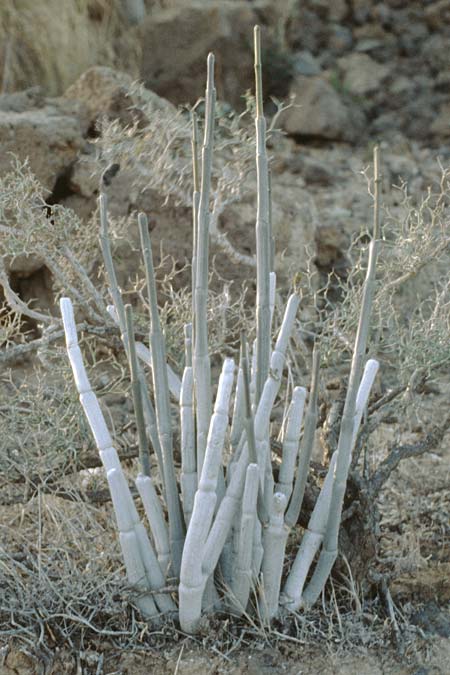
50 43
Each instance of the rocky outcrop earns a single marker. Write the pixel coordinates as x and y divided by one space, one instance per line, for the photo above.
175 43
362 75
49 138
321 112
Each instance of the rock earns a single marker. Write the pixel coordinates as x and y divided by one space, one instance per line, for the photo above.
313 171
373 38
361 10
441 125
331 243
322 114
175 43
304 63
337 10
107 92
437 14
436 54
340 39
304 30
20 101
361 74
50 138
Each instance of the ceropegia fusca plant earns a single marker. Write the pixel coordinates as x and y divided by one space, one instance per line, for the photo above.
221 526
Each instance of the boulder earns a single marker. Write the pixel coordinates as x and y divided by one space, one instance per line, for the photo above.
320 112
105 92
437 15
361 75
441 125
49 138
175 43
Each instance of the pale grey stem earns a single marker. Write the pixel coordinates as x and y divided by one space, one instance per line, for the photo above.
155 517
131 552
263 238
144 454
195 203
126 513
237 423
188 478
306 445
271 237
344 449
192 576
291 437
241 578
312 539
270 391
162 403
274 544
144 354
149 412
367 380
202 367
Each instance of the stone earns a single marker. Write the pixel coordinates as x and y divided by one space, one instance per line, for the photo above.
49 138
337 10
321 112
436 54
361 10
20 101
107 92
441 125
175 43
361 74
304 63
312 170
437 14
340 39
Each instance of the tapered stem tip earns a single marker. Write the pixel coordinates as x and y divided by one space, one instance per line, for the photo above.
210 69
257 45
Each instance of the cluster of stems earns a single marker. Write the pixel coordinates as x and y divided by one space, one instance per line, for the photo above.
220 523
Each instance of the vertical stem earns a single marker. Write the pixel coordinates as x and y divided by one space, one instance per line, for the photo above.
344 449
263 238
162 403
144 454
306 446
202 367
